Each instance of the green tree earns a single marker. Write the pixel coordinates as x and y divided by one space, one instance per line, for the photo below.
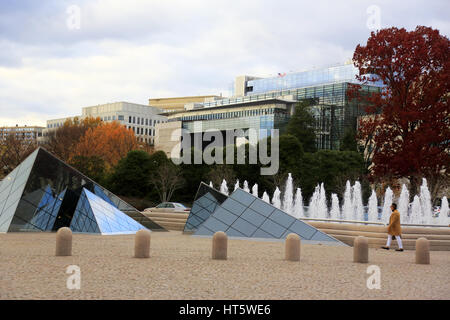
301 125
333 168
349 142
130 176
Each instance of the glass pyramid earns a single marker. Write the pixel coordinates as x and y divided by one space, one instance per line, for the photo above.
93 214
44 194
245 216
205 202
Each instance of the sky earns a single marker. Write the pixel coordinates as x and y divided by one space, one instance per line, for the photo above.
59 56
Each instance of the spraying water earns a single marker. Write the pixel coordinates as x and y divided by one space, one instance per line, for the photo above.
335 212
372 211
425 202
236 185
288 199
387 205
403 203
357 204
265 197
416 211
276 201
211 184
246 188
223 187
347 206
255 190
298 204
313 202
322 208
443 214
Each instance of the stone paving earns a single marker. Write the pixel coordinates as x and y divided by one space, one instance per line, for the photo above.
180 267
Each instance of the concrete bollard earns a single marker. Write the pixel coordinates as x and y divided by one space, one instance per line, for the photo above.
219 246
292 247
422 251
64 242
361 250
142 244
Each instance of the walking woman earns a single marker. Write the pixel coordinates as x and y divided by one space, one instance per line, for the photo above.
394 229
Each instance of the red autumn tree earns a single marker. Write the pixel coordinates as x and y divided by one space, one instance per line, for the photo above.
410 130
109 141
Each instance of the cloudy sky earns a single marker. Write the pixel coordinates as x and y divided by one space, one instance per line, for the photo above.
52 63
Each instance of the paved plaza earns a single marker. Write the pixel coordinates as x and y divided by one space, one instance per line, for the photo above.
181 267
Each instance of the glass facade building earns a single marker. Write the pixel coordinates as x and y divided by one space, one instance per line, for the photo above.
337 74
326 88
45 194
243 215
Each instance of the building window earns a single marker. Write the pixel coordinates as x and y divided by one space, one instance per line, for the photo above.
120 118
129 119
134 119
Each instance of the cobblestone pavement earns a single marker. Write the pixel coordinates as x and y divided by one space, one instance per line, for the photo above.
180 267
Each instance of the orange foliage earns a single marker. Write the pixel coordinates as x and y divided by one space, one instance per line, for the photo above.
62 141
111 141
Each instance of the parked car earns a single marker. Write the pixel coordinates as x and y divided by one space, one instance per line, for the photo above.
173 207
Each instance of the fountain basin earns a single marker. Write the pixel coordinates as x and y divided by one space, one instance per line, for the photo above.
439 237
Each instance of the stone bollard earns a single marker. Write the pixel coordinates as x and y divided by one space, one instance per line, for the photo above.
422 251
142 244
361 250
219 246
64 242
292 247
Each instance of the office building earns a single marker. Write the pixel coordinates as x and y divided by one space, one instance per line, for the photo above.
140 118
268 103
178 103
24 133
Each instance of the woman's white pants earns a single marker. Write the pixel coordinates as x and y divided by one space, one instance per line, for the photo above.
399 241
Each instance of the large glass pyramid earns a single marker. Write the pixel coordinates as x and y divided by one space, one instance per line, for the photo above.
243 215
44 194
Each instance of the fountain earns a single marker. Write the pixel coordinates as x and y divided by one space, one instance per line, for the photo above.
347 207
236 185
425 202
385 214
288 199
211 184
372 211
357 204
223 187
322 208
416 211
335 212
276 201
298 204
255 190
403 204
312 209
265 197
443 214
246 188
